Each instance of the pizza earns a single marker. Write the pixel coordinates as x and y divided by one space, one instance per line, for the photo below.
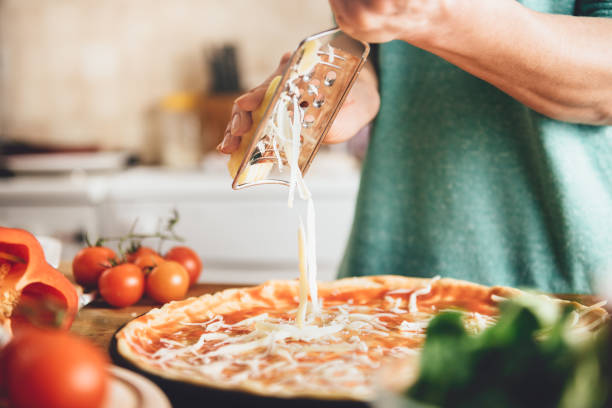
248 339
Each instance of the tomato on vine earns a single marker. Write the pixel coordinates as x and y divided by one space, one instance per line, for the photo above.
147 262
168 281
90 262
137 251
189 259
122 285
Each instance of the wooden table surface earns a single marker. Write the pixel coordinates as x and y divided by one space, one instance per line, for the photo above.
98 321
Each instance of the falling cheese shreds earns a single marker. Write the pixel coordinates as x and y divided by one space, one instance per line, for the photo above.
303 283
312 256
284 130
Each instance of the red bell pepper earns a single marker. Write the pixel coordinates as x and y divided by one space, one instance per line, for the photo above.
30 289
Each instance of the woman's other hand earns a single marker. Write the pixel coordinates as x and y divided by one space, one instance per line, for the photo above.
378 21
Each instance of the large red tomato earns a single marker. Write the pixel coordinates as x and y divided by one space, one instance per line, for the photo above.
52 368
189 259
169 281
89 263
122 285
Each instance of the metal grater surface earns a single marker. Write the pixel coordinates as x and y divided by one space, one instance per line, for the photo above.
320 89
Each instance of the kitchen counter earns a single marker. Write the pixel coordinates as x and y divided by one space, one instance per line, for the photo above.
98 321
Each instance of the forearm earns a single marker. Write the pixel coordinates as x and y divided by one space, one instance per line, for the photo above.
560 66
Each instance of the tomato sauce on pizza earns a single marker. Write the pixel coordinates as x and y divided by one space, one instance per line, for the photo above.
248 338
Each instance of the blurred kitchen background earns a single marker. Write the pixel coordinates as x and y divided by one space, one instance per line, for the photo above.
110 111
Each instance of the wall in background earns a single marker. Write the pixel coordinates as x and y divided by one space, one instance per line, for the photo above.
86 72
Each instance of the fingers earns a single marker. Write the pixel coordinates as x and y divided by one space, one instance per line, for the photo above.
379 21
284 59
240 123
241 119
252 99
347 14
230 143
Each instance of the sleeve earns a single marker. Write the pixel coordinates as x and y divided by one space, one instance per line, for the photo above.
593 8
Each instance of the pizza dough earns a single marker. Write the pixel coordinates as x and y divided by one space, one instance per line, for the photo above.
246 339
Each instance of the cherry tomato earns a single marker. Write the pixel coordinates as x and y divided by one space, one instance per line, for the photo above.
122 285
53 368
141 250
189 259
89 263
147 262
168 281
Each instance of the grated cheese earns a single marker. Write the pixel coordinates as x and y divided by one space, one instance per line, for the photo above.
285 130
412 301
336 350
303 291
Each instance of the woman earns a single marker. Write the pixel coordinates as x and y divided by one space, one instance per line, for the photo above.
490 157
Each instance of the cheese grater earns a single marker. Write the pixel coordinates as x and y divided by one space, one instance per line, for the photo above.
316 81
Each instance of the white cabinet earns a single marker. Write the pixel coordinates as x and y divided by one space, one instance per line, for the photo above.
245 236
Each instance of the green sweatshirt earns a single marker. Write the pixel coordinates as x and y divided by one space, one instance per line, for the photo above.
463 181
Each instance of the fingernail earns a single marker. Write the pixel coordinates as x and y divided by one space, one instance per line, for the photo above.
226 139
235 123
245 95
237 100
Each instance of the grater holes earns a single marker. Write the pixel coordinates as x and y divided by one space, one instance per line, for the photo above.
308 121
291 92
317 103
313 87
330 78
307 77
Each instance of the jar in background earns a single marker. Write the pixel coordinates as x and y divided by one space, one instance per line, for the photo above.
180 130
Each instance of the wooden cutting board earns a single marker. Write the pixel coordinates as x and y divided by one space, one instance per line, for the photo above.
98 321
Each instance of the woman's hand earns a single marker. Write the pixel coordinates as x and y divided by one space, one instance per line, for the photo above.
378 21
359 108
557 65
241 120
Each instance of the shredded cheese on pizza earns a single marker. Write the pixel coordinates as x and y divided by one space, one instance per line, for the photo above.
248 339
336 351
